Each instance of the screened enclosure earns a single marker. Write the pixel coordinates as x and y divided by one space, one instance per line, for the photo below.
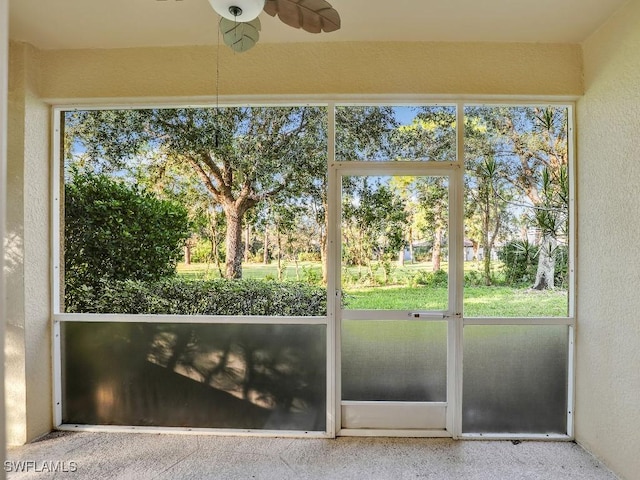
333 269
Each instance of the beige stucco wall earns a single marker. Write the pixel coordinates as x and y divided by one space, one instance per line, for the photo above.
316 68
608 340
4 67
155 73
28 337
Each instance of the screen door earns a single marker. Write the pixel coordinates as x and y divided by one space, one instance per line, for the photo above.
394 310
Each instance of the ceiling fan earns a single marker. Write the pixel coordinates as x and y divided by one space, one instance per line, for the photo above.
240 25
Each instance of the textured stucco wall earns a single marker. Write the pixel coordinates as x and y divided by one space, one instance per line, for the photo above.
316 68
608 334
28 342
4 67
15 376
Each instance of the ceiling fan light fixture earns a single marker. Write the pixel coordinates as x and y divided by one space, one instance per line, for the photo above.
238 10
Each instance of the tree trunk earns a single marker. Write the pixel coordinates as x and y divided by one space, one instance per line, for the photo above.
546 264
437 249
233 241
475 246
402 249
486 261
279 245
247 244
412 254
295 262
486 257
187 253
265 253
215 244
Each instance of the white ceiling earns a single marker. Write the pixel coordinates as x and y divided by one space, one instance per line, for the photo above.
61 24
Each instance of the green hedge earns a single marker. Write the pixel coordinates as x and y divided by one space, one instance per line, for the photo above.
117 231
177 296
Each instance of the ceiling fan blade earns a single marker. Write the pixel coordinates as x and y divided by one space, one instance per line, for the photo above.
240 36
313 16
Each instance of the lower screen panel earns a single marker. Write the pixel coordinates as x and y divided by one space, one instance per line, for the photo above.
394 360
249 376
515 379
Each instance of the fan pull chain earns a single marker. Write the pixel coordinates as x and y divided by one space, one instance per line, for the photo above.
216 138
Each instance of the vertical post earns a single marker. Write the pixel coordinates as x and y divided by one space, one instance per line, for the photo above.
456 275
333 352
571 387
57 213
4 67
57 249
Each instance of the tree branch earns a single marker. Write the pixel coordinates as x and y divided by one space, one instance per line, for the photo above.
219 175
205 178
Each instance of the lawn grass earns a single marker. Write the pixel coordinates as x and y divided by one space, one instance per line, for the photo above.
479 301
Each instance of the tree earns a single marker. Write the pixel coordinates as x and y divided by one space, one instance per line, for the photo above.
177 182
431 136
530 147
404 188
538 138
363 133
284 218
433 195
113 231
373 223
241 155
486 205
552 217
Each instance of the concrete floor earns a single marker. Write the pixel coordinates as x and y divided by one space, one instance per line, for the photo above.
149 456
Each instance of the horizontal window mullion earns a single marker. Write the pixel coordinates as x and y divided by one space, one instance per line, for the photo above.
203 319
442 169
519 321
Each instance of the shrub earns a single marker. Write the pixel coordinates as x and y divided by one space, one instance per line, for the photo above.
201 252
178 296
520 261
114 231
439 278
561 277
473 278
311 275
309 256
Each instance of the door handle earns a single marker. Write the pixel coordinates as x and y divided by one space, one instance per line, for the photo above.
425 315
